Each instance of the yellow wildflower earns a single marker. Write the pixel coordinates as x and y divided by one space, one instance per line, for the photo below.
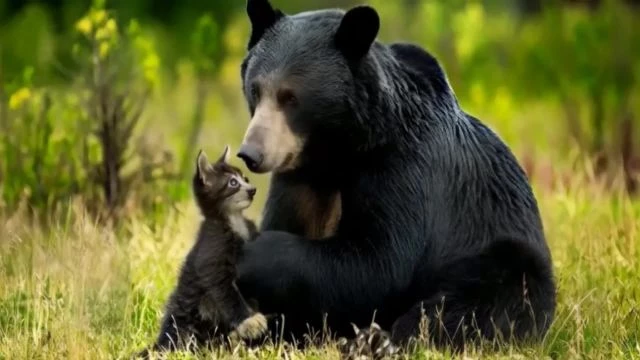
99 16
108 31
84 26
111 26
19 97
150 66
104 49
101 34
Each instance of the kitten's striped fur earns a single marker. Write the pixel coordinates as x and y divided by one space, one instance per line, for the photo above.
206 302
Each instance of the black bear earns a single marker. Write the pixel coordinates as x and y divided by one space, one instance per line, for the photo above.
425 213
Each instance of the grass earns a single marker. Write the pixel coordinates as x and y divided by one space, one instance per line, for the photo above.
74 290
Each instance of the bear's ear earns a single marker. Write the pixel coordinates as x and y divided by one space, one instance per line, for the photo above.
357 31
262 16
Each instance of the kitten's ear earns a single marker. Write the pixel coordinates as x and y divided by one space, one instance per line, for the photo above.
202 165
224 158
357 31
262 16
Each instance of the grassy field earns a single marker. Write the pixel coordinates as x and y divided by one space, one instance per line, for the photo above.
74 290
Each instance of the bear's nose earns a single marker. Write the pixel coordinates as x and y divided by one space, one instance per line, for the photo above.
252 192
251 156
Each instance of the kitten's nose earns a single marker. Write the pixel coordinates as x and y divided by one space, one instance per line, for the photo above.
252 192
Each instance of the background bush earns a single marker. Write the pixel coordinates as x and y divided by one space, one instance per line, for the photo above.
556 79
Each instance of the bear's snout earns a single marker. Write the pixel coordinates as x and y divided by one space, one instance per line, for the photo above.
251 156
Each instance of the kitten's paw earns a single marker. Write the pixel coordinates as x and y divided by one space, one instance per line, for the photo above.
369 343
251 327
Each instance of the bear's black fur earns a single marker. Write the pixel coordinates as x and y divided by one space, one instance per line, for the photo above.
435 208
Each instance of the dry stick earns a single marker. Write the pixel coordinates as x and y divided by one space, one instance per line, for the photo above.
42 135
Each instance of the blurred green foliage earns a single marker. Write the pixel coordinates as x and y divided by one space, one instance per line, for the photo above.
550 76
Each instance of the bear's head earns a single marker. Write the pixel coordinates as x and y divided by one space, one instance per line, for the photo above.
298 80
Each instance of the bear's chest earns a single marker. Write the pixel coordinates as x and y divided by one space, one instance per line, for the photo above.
318 212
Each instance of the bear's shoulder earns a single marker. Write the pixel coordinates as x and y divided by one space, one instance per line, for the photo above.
422 63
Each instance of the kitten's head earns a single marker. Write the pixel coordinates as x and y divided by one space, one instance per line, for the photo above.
219 187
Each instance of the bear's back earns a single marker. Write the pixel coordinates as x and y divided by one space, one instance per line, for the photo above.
477 166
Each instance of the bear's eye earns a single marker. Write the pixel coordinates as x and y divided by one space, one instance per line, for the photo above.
246 179
255 91
287 97
233 182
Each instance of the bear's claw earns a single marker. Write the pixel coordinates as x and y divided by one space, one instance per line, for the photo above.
369 343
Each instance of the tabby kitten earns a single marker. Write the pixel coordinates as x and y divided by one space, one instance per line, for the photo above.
206 300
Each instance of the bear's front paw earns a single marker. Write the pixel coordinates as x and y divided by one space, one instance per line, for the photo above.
251 327
369 343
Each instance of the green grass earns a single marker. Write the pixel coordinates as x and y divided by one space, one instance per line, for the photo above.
75 290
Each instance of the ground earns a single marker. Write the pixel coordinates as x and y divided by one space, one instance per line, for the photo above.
76 292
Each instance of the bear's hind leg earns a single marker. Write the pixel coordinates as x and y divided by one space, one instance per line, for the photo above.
504 294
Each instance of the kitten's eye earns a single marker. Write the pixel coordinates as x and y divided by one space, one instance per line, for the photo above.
233 182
